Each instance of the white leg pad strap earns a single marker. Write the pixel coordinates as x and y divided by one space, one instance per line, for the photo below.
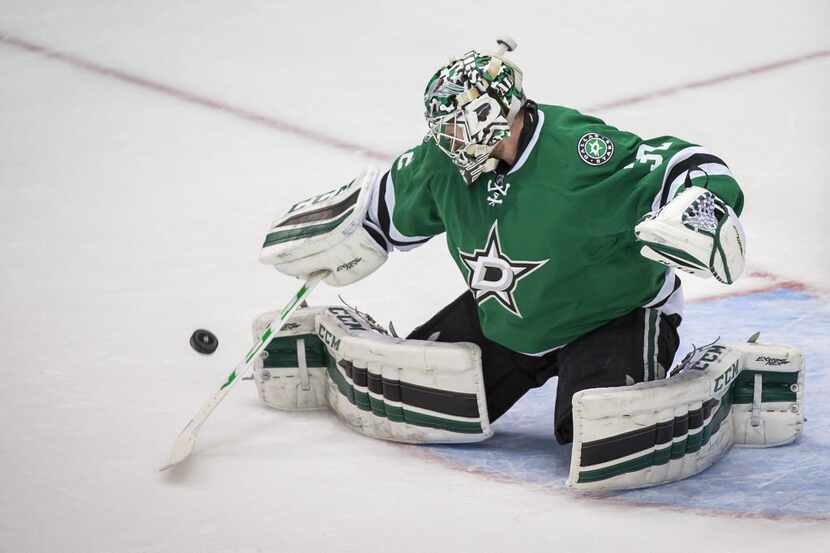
662 431
768 396
291 376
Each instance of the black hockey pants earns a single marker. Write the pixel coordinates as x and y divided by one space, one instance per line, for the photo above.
637 347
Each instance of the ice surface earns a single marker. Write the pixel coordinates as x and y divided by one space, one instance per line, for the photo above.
130 216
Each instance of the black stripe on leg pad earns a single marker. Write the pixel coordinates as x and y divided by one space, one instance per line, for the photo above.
622 445
348 368
681 426
634 441
375 383
458 404
442 401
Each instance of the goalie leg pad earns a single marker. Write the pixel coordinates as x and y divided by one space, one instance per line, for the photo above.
410 391
291 373
659 432
768 396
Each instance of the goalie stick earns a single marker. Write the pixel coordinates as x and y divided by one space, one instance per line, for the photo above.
186 439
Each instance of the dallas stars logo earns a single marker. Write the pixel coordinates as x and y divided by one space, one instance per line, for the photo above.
595 149
492 274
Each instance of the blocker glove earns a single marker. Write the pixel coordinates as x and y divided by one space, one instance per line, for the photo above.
326 233
696 232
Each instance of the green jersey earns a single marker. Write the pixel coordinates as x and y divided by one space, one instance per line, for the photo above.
547 247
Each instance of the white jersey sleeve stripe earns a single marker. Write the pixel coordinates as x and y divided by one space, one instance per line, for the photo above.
395 234
381 208
703 170
693 158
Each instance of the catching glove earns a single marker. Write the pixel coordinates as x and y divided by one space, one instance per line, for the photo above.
696 232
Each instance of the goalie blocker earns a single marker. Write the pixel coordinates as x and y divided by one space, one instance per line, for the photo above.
385 387
327 233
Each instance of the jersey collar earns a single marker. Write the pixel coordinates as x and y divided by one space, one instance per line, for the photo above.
533 121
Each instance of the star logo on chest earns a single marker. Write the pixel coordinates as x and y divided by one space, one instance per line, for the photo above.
491 274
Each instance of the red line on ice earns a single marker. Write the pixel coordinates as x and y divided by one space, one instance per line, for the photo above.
337 143
711 81
193 98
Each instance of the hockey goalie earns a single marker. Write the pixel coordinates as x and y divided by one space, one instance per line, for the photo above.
567 233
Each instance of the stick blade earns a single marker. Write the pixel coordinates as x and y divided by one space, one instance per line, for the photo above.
182 448
186 439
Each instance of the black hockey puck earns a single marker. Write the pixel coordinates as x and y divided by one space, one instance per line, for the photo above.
204 341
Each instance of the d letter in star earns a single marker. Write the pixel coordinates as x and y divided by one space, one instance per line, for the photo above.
492 274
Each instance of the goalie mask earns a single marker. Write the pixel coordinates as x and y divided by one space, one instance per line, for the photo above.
470 104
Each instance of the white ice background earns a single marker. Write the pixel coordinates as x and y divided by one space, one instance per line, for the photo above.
130 216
